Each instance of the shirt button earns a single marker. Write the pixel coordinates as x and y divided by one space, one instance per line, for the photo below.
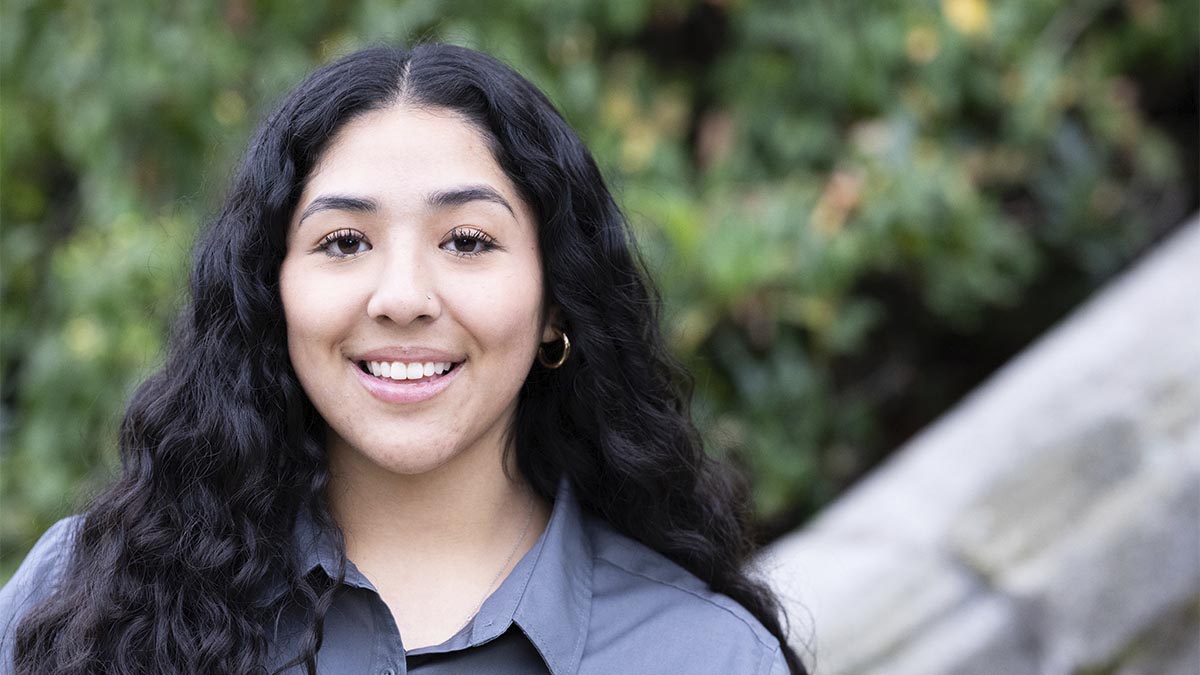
387 671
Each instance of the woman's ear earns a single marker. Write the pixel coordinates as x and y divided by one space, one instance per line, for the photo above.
552 327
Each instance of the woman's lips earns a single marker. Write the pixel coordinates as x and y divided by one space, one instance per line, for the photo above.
405 391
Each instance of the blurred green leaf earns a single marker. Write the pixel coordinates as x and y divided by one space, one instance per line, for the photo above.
829 198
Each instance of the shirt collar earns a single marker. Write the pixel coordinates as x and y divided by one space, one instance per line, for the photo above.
548 594
314 547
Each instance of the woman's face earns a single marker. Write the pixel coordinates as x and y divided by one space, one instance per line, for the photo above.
410 252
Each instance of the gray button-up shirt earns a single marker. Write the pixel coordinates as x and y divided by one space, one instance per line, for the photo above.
584 600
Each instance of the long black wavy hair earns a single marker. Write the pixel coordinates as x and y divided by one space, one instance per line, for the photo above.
221 448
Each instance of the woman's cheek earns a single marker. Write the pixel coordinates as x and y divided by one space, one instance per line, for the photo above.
503 311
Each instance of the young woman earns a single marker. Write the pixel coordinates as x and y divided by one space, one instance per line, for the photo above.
418 417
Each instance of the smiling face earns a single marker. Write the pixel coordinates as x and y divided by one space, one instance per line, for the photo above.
412 291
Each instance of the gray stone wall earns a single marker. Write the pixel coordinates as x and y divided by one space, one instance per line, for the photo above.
1049 524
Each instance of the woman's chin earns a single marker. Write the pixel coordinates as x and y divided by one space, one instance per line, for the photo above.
402 459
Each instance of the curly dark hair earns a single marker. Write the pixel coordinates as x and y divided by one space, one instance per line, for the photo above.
221 449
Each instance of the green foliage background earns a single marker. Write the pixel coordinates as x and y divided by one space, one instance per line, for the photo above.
855 210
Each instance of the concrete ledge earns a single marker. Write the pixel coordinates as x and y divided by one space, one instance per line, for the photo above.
1045 524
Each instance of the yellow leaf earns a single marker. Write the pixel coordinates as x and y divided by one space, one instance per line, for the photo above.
84 338
921 44
969 17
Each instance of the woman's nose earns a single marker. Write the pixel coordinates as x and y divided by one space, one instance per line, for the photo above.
405 289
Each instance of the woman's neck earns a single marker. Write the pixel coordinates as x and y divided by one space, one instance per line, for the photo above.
435 544
468 508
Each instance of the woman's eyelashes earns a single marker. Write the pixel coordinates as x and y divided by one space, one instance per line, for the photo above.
461 241
469 241
343 243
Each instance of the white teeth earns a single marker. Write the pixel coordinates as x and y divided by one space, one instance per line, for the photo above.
396 370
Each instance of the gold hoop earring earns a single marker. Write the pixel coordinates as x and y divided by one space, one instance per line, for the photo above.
541 354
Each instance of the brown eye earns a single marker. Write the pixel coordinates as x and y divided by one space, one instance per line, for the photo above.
467 244
467 241
343 244
348 245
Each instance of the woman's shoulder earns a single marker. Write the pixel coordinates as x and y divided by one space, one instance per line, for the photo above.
38 575
675 618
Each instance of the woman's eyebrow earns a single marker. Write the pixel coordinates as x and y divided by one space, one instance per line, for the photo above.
456 196
468 193
339 203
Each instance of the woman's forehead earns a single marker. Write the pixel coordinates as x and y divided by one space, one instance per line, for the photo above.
404 157
419 144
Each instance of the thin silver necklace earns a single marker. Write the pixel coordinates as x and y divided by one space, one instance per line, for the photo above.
511 553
